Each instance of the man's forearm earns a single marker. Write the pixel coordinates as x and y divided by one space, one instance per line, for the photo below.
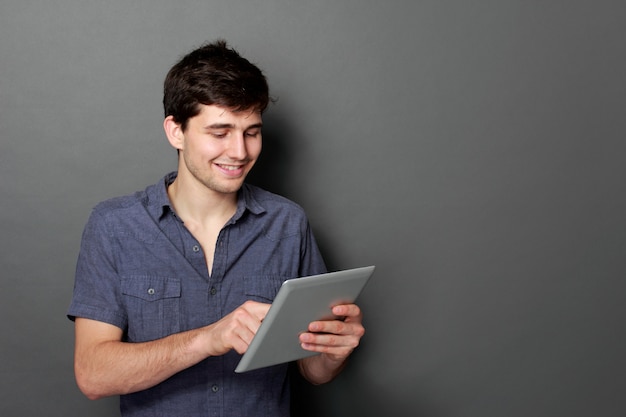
114 367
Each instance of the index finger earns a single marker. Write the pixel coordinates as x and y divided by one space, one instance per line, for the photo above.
256 309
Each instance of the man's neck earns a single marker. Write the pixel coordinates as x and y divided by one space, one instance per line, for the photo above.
193 202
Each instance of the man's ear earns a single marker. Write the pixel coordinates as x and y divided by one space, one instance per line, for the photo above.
173 132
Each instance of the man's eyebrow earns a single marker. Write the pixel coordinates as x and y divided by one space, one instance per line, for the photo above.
220 126
231 126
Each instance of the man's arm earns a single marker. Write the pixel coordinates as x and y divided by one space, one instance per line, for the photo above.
335 340
105 366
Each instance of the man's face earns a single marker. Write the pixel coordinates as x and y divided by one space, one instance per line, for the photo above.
220 147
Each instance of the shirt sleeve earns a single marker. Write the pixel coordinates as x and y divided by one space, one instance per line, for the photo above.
97 294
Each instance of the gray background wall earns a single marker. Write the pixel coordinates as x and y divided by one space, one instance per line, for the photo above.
473 151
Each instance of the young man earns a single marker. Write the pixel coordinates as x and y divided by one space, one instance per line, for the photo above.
173 282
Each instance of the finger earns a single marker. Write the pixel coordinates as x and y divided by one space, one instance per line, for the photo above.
256 309
238 328
347 326
346 310
239 337
328 343
251 321
241 341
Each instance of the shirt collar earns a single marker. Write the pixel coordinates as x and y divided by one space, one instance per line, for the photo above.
247 201
158 202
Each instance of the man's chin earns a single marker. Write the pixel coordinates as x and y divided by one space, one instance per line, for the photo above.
231 187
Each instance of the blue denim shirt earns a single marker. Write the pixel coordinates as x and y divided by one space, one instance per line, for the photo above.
141 270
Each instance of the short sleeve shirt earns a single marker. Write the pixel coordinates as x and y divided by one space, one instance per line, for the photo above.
140 269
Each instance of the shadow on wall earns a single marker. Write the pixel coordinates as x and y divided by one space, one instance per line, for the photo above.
272 170
275 169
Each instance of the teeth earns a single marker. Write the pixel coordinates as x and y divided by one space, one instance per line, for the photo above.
230 167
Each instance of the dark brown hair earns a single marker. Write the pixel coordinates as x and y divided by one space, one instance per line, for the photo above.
213 74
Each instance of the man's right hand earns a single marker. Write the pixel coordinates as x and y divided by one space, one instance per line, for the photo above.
236 330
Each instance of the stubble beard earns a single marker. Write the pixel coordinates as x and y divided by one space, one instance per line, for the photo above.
211 181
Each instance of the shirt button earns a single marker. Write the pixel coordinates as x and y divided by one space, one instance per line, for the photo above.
215 388
151 291
196 248
213 291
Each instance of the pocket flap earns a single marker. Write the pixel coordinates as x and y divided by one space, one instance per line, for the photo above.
263 287
151 288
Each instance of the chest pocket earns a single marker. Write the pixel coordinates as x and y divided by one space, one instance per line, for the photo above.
152 306
262 288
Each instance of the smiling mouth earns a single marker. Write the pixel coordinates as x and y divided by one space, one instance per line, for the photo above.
230 167
230 170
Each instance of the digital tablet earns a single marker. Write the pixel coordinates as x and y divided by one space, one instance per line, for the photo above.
299 302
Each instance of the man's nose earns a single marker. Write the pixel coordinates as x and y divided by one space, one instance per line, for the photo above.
237 147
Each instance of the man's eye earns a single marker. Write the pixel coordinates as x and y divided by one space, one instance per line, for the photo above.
253 133
219 135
